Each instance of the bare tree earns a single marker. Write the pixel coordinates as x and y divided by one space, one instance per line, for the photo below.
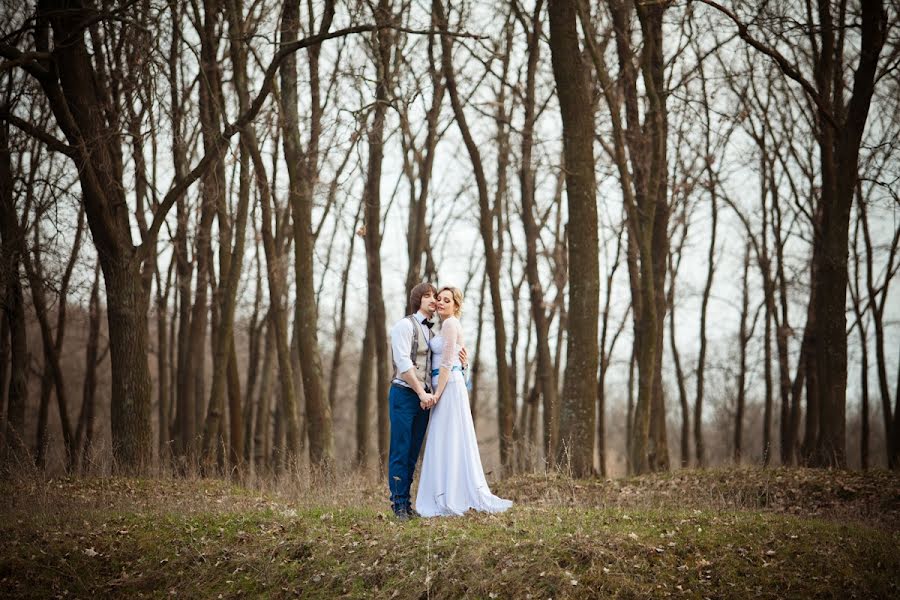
577 419
546 375
505 403
840 122
13 305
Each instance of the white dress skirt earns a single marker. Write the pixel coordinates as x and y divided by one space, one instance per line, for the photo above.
452 479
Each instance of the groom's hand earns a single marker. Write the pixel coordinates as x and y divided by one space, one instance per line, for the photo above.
464 357
426 400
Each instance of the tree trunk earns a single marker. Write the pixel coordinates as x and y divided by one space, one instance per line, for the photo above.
859 311
876 308
341 329
606 353
131 388
162 366
384 47
364 394
679 373
231 262
807 372
782 335
767 378
577 419
52 350
546 377
743 339
81 108
699 447
505 404
84 432
476 365
185 414
644 190
262 431
13 308
276 280
257 329
302 174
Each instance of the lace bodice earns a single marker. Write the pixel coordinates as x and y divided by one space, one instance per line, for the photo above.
446 345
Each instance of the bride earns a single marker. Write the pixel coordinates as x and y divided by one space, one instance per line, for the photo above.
452 479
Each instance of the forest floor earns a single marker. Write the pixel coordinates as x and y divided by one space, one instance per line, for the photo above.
721 533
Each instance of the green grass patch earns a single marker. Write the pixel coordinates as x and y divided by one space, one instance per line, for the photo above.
205 539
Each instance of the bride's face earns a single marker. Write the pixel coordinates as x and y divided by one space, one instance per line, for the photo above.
445 304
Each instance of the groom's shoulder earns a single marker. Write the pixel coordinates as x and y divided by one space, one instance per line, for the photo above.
403 324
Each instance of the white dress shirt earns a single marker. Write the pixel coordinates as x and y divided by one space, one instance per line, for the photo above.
401 344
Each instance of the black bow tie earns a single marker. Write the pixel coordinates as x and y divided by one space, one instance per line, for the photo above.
427 323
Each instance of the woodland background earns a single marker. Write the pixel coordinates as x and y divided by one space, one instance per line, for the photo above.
675 224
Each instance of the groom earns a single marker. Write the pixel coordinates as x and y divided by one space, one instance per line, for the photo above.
411 395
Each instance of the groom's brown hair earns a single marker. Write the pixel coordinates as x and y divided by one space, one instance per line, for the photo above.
415 295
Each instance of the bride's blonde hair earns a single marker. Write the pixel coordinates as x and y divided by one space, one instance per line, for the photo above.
457 295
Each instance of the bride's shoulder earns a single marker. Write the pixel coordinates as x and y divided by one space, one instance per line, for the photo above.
451 324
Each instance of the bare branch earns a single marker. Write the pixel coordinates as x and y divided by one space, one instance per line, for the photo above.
38 133
784 64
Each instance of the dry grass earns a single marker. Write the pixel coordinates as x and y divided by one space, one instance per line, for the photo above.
720 533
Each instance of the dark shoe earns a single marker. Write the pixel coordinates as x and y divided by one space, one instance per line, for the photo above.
400 514
411 512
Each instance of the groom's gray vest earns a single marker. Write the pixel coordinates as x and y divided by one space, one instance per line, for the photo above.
420 355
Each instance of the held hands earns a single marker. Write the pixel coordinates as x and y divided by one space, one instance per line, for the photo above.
427 400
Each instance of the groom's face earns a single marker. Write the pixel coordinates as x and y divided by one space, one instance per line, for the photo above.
428 304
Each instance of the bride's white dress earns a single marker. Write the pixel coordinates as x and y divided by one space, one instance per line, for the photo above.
452 479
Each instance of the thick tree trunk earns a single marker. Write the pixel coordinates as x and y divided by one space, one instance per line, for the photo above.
302 174
86 111
577 419
840 135
131 388
376 327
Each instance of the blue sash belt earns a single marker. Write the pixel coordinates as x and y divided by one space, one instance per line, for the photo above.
436 372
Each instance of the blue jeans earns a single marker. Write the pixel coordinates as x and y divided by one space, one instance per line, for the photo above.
408 425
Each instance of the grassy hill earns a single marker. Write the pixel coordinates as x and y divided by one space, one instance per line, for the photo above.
744 533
